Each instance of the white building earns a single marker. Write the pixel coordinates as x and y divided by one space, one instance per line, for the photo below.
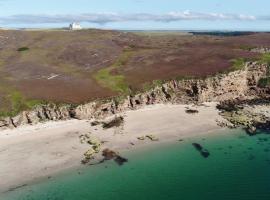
75 26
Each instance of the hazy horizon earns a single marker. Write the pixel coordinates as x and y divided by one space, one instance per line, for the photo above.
134 30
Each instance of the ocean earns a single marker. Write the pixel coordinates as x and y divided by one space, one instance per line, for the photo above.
237 168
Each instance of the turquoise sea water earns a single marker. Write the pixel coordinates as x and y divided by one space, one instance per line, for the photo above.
238 168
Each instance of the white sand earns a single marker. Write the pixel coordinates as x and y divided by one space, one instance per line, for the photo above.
31 152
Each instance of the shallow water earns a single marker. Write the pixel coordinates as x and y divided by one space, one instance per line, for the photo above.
238 168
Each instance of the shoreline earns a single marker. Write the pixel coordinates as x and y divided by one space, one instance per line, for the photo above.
31 153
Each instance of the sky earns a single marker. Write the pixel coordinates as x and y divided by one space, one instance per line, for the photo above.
252 15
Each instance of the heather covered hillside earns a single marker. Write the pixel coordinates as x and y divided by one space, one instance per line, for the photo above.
79 66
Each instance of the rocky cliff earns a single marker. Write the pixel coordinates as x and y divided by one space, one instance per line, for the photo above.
238 84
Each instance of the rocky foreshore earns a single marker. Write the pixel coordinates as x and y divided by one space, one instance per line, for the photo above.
241 84
252 115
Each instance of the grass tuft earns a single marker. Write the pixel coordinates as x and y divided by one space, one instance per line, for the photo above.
238 64
265 58
23 49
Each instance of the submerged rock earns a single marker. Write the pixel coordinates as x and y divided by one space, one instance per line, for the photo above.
204 152
197 146
251 130
112 155
109 154
120 160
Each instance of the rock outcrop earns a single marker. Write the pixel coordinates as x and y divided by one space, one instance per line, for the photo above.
252 115
238 84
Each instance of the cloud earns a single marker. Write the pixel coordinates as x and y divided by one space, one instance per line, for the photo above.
103 18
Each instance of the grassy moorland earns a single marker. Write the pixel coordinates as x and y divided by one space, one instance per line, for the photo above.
79 66
115 82
14 102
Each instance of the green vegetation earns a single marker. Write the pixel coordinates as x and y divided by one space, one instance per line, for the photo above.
114 82
246 47
23 49
238 64
265 58
17 103
119 99
264 82
155 83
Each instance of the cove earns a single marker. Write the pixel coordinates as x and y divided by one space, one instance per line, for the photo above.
237 168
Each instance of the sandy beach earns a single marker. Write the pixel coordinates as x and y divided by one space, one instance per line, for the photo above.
32 152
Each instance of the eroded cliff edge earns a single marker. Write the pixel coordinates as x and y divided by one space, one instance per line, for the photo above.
237 86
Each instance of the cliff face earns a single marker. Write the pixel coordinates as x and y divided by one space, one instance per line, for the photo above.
237 84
